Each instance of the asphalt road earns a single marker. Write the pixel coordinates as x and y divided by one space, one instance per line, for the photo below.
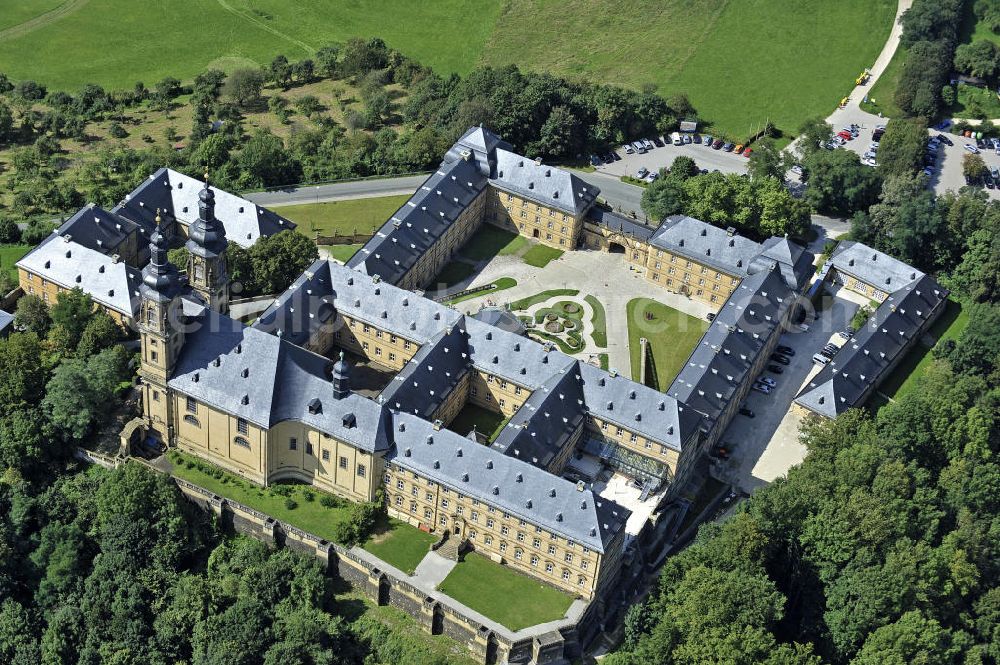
338 191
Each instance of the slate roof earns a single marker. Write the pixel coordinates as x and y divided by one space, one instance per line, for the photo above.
6 321
871 266
426 381
861 363
795 263
615 222
480 145
706 244
510 484
110 283
97 229
719 365
177 196
420 222
538 431
548 185
499 317
266 380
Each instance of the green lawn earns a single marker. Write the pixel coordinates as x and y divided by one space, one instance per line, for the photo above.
504 595
400 545
540 255
515 246
882 95
343 252
16 12
489 241
905 378
969 97
741 63
486 422
452 273
599 321
308 515
447 35
525 303
10 255
671 334
499 285
361 216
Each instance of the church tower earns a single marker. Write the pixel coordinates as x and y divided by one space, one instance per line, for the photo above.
159 324
206 246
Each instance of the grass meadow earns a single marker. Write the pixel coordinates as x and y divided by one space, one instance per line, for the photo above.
741 63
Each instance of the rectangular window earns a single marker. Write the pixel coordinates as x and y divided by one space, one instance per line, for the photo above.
427 513
444 503
326 455
293 443
241 426
156 396
154 356
342 463
399 483
192 405
361 471
309 448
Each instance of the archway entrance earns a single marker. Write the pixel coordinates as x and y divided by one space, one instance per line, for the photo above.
616 248
536 234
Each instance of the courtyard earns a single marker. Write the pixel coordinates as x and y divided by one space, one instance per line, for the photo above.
503 594
487 424
670 334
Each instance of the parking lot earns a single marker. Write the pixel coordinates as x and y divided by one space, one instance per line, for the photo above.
660 157
766 446
948 175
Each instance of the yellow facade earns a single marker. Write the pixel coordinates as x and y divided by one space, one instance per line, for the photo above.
491 531
686 276
48 291
531 219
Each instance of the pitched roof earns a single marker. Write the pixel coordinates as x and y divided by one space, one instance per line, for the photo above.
420 222
706 244
795 263
548 185
69 264
615 222
6 320
871 266
478 145
97 229
510 484
862 362
177 196
266 380
718 366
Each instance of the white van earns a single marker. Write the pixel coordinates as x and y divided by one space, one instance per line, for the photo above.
820 359
676 139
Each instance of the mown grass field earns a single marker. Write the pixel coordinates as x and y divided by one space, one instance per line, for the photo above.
671 335
343 217
11 254
741 63
118 42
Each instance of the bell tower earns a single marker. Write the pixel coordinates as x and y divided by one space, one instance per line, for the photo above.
206 245
159 324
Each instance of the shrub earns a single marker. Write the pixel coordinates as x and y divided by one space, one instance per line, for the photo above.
291 504
282 490
328 502
308 496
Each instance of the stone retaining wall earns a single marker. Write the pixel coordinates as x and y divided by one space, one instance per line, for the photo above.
489 643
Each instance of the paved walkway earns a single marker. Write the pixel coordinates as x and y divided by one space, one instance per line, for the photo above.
433 569
607 277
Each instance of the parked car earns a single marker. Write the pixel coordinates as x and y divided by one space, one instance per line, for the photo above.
785 350
778 358
944 139
820 360
995 172
706 140
629 150
929 172
649 145
652 176
642 173
777 369
611 157
595 160
766 380
747 152
746 412
761 388
676 139
728 147
710 316
944 124
827 353
988 181
844 335
971 148
657 142
738 149
717 144
687 138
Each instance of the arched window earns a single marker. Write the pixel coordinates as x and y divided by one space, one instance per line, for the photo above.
191 420
241 442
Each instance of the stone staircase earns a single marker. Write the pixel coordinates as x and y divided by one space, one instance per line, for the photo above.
450 547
